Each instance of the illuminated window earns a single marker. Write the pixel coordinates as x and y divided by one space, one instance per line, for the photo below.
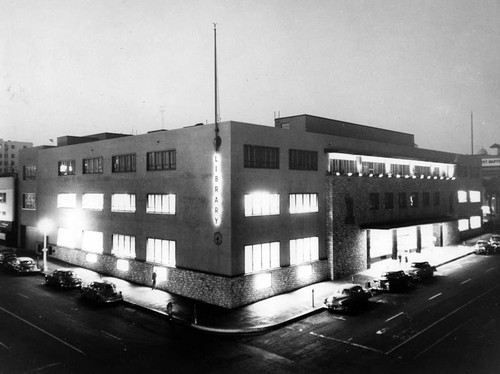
161 203
374 201
463 224
304 250
262 204
160 251
163 160
93 201
66 167
123 163
92 241
3 197
123 202
92 165
66 200
65 237
261 157
29 172
303 203
399 169
262 281
303 160
262 256
475 222
122 264
343 166
29 201
375 168
462 196
475 196
123 245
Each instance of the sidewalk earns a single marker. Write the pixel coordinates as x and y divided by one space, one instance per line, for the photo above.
264 315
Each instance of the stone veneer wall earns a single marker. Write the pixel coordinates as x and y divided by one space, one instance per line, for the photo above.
209 288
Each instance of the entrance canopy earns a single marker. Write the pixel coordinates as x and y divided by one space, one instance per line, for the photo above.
407 223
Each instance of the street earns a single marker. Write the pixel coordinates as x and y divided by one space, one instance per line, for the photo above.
448 323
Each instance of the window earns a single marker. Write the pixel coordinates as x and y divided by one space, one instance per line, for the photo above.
123 163
389 200
66 167
463 224
303 160
123 202
436 200
262 204
374 201
462 196
93 201
399 169
3 197
123 245
161 204
65 238
343 166
304 250
475 196
92 241
426 199
66 200
303 203
261 157
402 199
262 256
29 201
164 160
29 172
414 199
160 251
375 168
475 222
92 165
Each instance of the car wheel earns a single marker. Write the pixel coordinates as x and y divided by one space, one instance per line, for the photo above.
347 308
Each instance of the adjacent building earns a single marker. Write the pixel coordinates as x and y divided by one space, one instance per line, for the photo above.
9 155
235 212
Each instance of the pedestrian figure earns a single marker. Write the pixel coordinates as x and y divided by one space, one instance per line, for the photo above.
153 277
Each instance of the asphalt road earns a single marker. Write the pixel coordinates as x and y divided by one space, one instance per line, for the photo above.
448 324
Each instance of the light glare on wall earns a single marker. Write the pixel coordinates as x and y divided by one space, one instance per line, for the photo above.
262 281
91 257
304 272
161 273
122 264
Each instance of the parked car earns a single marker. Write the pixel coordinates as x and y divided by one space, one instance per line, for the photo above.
495 240
348 298
5 255
396 280
421 270
101 292
22 265
63 278
483 247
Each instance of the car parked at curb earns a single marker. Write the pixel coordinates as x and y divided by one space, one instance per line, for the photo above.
421 270
22 265
6 255
393 281
483 247
495 241
101 292
63 278
348 298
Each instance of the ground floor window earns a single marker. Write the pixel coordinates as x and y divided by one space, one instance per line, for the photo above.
262 256
475 222
123 245
463 224
160 251
65 237
92 241
304 250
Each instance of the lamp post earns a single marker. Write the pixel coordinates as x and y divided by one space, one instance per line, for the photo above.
44 227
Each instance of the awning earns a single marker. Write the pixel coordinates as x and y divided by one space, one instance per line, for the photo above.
407 223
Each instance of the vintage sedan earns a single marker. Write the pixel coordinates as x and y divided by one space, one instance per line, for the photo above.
22 265
495 241
101 292
6 255
421 270
393 281
348 298
483 247
63 278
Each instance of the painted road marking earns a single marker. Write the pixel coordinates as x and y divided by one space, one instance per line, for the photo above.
346 342
23 295
46 367
439 341
436 295
42 330
440 320
465 281
397 315
490 269
111 335
3 345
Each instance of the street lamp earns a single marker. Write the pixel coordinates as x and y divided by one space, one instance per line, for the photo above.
44 226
